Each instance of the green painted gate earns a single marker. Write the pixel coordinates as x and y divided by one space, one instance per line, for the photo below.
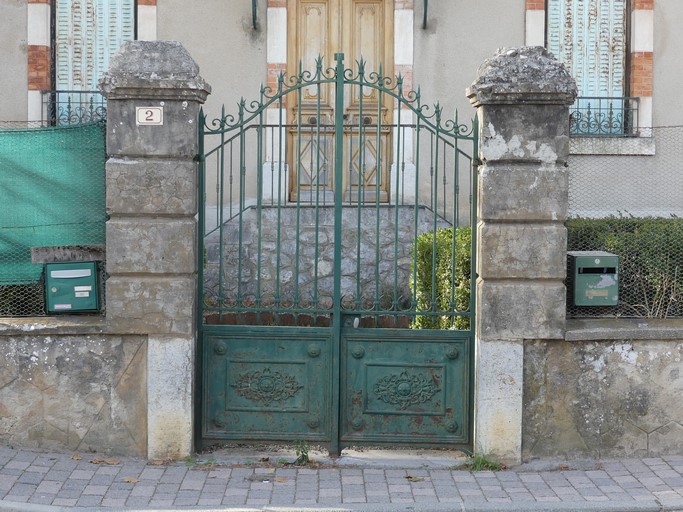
337 295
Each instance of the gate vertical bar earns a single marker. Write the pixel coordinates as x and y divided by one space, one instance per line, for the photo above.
199 315
338 196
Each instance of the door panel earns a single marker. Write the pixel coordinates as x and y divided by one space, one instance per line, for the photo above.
406 386
266 384
361 29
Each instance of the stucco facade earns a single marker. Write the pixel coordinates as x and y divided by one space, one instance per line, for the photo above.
222 39
14 60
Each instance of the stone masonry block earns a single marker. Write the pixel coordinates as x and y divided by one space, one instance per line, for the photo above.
520 309
528 75
602 398
524 133
151 186
177 137
170 382
151 305
499 405
500 377
76 392
521 251
666 440
151 245
523 193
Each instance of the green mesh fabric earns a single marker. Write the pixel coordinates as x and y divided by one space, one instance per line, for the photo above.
51 194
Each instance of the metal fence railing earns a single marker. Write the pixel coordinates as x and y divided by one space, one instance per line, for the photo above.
52 196
72 107
604 117
631 205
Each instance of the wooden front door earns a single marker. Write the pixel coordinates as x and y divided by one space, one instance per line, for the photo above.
363 31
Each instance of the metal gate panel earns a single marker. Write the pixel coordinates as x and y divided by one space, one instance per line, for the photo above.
266 383
406 386
316 322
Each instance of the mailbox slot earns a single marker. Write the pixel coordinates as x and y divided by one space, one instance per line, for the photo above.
71 287
593 278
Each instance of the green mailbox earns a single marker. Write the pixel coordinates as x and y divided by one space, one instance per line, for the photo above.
594 278
71 287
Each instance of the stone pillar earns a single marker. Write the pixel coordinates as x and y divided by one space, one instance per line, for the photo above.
154 93
522 96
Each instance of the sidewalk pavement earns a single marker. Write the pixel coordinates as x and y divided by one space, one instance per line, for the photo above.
365 480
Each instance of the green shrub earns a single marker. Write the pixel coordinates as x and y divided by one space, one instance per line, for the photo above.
650 251
436 288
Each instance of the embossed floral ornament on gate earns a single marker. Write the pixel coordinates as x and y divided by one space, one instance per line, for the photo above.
266 386
404 390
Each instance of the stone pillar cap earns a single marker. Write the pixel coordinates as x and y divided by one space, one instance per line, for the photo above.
154 70
528 74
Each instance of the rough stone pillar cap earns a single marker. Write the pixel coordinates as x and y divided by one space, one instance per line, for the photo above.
153 70
529 74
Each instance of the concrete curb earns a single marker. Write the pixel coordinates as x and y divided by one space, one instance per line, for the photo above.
616 506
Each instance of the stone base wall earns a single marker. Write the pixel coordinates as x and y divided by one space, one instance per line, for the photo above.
612 389
278 251
81 392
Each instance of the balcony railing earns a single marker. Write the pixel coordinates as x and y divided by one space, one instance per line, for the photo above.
592 116
72 107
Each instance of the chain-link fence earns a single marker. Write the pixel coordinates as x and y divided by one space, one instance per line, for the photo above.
630 203
52 197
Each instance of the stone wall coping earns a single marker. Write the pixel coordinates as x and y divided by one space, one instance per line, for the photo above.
153 70
529 75
68 325
603 329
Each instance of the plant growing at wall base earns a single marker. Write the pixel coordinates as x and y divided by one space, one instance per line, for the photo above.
440 278
302 453
483 462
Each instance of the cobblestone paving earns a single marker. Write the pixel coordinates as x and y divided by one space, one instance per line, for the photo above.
86 480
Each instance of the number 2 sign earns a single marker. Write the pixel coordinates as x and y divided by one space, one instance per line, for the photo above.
149 116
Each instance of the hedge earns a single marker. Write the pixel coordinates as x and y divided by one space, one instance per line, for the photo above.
435 288
650 251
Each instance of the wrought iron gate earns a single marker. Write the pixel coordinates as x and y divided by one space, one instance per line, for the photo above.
337 266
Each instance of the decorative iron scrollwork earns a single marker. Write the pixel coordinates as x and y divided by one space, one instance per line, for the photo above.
220 420
266 386
404 390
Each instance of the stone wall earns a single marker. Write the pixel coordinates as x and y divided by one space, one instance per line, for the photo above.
279 261
612 389
72 388
123 382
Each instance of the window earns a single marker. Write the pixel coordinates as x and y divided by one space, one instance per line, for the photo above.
589 37
86 34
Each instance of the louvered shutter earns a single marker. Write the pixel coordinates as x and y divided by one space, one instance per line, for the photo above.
589 36
87 33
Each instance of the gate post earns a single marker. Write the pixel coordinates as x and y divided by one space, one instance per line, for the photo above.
154 92
522 96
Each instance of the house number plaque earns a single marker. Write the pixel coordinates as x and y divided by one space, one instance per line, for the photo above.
150 116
